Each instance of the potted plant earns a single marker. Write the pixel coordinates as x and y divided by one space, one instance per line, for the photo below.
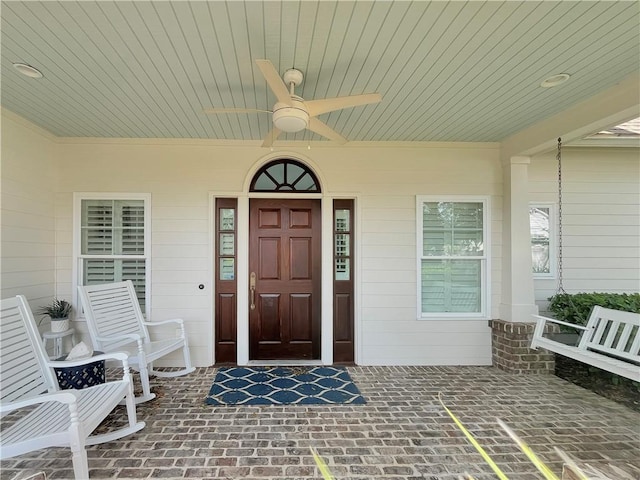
58 311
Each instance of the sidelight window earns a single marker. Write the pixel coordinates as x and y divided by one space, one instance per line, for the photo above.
226 231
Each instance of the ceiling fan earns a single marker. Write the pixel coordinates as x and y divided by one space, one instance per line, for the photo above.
292 113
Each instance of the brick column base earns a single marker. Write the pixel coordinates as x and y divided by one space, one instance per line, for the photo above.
510 349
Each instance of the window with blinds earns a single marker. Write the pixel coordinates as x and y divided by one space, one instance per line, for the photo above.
453 257
112 243
541 223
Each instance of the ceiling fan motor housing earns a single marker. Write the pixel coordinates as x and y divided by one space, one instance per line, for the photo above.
290 118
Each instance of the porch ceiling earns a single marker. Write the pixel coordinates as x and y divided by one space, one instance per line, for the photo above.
447 71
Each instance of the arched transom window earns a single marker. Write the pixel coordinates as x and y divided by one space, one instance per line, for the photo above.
285 175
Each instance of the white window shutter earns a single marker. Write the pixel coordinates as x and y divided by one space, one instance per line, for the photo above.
132 224
97 228
115 229
465 286
98 271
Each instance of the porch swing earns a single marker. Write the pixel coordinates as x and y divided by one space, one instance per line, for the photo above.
610 340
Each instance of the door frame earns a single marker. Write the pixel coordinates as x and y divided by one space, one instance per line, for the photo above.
242 259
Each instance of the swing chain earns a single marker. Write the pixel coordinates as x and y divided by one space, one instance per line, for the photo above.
559 159
578 317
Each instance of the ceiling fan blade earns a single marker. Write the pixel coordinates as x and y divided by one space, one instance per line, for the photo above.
215 111
318 107
323 129
276 84
270 137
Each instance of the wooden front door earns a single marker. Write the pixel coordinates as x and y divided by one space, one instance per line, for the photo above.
284 279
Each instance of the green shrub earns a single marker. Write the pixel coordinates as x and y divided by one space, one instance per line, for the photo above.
576 308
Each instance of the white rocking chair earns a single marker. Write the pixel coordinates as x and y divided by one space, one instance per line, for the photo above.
115 323
51 417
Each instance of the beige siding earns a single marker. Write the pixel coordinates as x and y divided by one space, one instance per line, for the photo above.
180 177
388 182
40 175
27 221
601 218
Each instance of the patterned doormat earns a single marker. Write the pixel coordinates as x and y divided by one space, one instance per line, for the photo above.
283 386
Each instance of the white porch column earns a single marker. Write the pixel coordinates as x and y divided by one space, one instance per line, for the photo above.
518 301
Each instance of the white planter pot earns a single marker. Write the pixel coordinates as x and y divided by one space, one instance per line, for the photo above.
59 324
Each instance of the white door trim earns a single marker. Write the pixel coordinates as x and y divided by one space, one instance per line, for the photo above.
242 259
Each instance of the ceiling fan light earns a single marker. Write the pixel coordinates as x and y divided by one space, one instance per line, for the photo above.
290 119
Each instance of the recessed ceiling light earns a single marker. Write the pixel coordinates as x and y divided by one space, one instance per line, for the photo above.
28 70
555 80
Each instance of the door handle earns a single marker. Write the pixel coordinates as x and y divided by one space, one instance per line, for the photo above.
252 289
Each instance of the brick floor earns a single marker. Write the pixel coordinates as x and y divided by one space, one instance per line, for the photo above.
401 433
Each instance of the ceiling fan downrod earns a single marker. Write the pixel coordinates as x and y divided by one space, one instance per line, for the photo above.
293 78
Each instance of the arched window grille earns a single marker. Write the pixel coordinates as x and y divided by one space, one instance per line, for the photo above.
285 175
